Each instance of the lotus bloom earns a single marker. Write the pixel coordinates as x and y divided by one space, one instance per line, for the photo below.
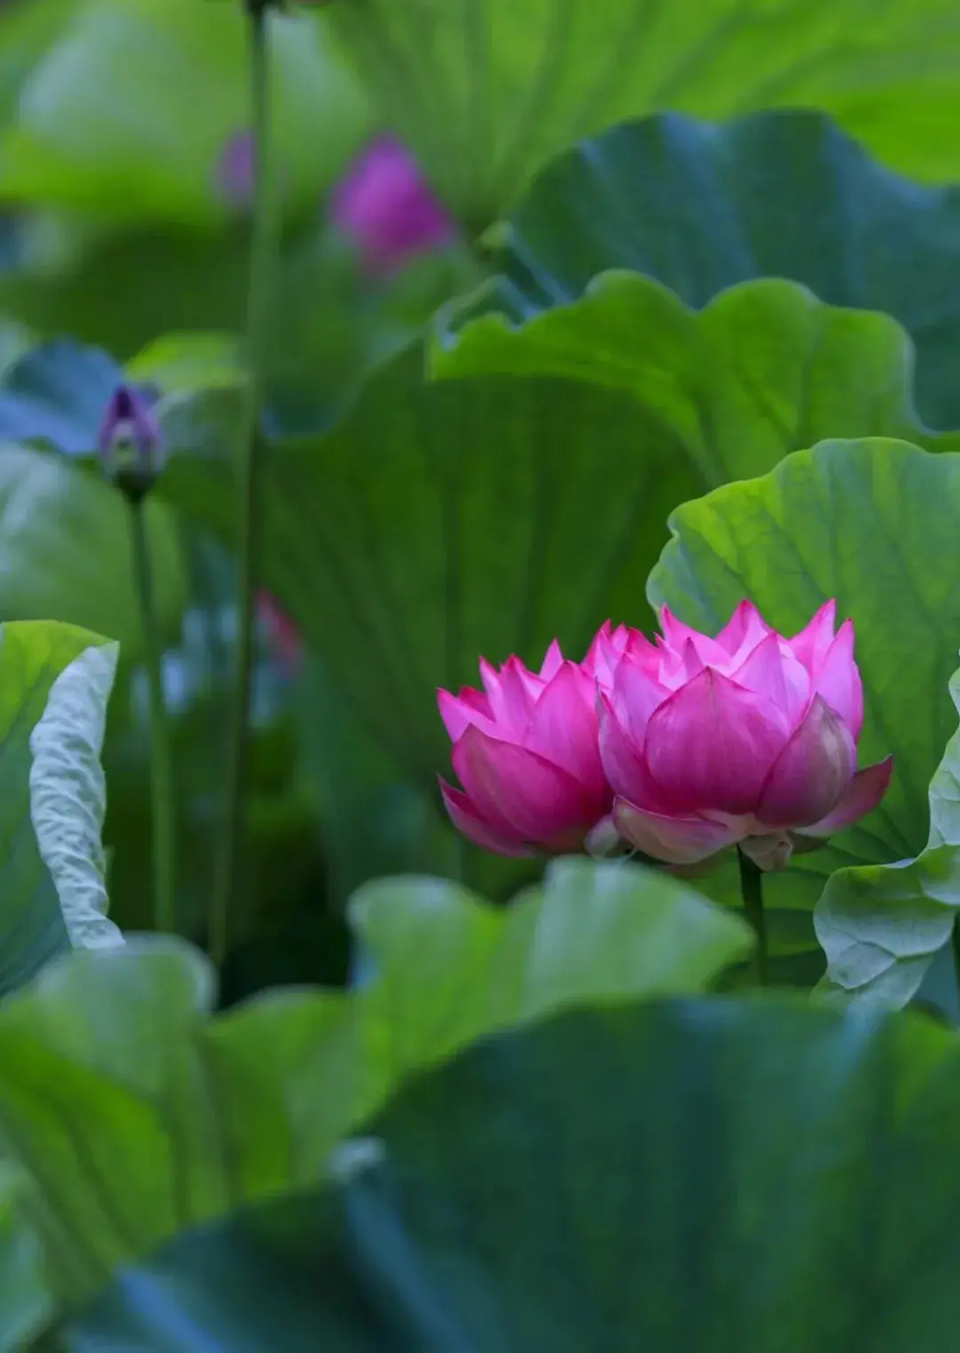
525 749
384 204
748 738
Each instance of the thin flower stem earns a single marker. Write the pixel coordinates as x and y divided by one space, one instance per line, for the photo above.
751 888
163 823
249 470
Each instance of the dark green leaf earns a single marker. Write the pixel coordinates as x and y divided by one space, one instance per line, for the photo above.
439 522
786 195
713 1176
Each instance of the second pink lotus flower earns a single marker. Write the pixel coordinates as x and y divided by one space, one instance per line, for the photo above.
685 746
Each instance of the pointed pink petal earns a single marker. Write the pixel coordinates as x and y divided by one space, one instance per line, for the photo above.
812 773
551 663
676 633
744 630
838 680
518 789
690 659
771 669
711 744
624 765
511 693
594 652
762 671
866 790
467 820
461 710
563 728
636 694
676 840
812 642
610 647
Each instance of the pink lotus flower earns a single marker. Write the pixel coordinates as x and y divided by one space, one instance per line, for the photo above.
748 738
281 633
384 204
526 752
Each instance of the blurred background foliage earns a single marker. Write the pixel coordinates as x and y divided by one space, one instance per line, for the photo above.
125 197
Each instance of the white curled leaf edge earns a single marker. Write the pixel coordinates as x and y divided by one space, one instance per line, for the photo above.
68 794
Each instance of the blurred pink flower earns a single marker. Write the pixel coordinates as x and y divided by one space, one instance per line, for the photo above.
525 751
282 635
386 207
748 738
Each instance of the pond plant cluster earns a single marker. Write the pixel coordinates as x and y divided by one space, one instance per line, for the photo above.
479 676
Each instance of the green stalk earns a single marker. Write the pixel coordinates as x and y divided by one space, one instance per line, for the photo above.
249 466
751 888
163 824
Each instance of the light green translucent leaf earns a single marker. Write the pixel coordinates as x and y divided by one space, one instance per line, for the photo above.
486 91
137 1115
178 71
452 968
764 369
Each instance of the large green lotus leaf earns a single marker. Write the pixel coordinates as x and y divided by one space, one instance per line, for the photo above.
158 159
869 523
438 522
718 1176
26 33
486 92
781 195
764 369
54 684
136 1114
25 1302
882 925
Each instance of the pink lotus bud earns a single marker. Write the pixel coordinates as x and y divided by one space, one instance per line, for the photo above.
129 442
525 750
748 738
384 204
282 635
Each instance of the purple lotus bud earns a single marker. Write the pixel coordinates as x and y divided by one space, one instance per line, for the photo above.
235 172
129 442
386 207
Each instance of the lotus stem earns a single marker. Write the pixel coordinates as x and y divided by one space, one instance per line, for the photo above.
249 468
163 824
751 888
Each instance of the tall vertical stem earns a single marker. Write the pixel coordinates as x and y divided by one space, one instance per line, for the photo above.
249 465
163 825
751 888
